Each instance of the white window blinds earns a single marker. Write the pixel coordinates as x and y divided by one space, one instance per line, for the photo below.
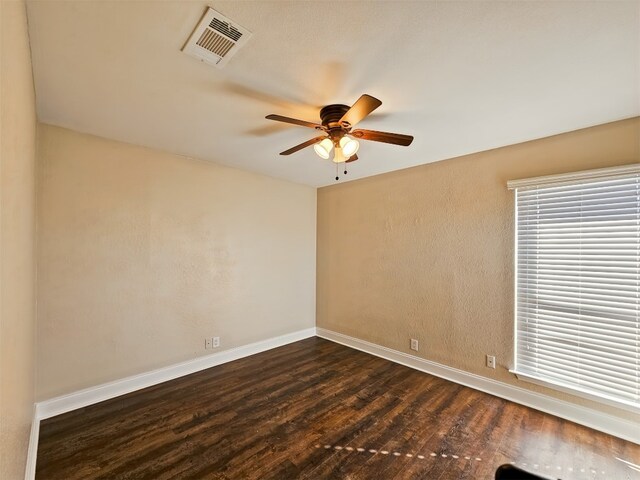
578 282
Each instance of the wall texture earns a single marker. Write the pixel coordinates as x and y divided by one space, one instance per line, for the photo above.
17 233
143 254
428 252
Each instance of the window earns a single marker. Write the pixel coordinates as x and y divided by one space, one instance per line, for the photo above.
577 292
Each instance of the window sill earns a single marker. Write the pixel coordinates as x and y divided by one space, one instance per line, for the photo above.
628 406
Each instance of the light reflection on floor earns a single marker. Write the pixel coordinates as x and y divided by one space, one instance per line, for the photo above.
556 469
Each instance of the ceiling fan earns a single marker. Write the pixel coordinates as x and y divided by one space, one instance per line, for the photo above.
336 124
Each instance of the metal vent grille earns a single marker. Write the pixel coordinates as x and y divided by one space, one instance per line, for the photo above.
225 29
215 43
216 39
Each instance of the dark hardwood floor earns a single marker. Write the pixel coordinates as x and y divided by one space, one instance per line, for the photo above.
318 410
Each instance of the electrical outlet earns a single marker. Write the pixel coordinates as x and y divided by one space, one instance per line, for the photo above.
491 361
414 344
208 343
216 342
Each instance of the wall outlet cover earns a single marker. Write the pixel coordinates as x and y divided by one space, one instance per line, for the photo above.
491 361
414 344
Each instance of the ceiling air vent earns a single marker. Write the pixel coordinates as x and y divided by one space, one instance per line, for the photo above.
216 39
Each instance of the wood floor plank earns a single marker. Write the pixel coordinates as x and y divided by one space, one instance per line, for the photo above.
318 410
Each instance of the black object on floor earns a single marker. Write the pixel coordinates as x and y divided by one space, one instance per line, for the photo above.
509 472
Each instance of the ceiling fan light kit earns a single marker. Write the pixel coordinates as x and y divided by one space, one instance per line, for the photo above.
349 146
323 148
337 122
340 156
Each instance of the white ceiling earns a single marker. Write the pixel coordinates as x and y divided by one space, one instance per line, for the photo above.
461 77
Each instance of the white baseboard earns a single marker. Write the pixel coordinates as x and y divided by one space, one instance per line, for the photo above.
32 452
89 396
589 417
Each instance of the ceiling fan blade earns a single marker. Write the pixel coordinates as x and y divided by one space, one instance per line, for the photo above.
386 137
303 145
294 121
353 158
363 107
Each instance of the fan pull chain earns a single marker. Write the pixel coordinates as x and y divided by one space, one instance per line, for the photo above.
337 177
345 168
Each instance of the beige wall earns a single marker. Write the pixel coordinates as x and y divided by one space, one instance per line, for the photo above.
427 252
17 233
143 254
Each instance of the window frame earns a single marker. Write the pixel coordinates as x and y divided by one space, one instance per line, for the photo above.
559 180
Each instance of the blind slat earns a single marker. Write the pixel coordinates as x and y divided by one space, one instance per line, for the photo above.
575 316
617 363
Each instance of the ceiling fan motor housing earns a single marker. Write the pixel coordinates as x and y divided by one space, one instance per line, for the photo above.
331 115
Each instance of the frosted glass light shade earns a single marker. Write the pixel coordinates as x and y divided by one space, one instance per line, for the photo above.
339 156
349 146
323 148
